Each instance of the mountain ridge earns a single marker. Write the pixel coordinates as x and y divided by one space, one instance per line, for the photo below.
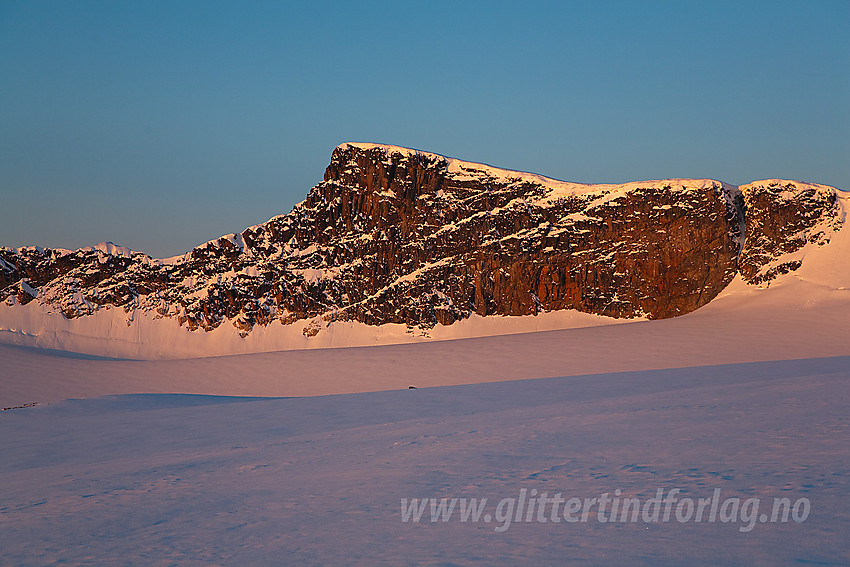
399 236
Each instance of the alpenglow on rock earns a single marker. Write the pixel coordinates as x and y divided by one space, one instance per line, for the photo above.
394 235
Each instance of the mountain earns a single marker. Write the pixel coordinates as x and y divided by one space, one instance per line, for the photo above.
396 236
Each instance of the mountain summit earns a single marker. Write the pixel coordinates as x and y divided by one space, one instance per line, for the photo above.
395 235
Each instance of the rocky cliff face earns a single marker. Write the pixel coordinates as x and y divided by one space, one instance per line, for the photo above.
782 217
394 235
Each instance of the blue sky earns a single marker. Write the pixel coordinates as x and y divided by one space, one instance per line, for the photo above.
160 125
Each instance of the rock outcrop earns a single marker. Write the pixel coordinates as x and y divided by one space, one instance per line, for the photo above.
782 217
394 235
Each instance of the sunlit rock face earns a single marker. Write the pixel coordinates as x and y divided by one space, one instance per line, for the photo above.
782 217
394 235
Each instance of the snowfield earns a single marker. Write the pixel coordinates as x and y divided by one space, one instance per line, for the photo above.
163 479
313 457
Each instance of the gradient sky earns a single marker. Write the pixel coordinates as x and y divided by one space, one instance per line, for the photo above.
161 125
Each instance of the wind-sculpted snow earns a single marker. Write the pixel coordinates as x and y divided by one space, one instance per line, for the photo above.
394 235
